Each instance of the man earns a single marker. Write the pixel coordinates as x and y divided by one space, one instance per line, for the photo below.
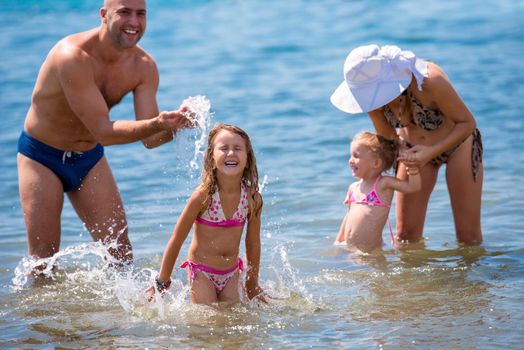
67 125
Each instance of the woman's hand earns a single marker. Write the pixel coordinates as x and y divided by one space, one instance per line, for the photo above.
416 156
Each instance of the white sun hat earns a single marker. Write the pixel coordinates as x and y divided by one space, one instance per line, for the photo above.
375 76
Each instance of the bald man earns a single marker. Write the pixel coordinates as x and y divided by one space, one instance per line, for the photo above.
61 148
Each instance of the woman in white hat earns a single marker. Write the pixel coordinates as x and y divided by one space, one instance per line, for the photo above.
413 99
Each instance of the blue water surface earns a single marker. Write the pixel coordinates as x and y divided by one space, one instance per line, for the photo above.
270 67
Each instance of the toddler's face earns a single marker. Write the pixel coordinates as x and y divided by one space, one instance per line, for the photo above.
229 153
362 160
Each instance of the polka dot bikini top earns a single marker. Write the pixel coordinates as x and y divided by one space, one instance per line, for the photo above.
214 214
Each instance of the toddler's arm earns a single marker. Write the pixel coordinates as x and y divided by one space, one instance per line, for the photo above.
348 194
341 237
412 184
414 179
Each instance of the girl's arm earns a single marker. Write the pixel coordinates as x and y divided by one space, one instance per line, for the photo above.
182 228
341 237
348 195
412 184
253 249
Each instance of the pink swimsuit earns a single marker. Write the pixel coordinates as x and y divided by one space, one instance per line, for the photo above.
214 216
373 199
219 278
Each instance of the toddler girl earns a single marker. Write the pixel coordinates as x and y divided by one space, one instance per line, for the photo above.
369 199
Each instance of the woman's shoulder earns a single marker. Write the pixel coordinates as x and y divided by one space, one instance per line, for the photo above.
436 85
436 75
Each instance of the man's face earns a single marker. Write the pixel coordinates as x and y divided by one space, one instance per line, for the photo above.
125 21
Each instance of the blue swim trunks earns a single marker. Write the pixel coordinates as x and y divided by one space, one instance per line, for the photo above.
70 167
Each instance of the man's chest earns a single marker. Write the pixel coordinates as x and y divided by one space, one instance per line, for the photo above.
116 82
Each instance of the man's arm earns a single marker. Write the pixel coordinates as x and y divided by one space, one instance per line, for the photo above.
145 102
75 73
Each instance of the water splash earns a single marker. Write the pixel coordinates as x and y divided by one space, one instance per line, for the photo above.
86 274
263 183
92 254
199 116
289 284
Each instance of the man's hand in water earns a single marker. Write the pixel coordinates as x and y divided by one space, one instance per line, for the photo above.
175 120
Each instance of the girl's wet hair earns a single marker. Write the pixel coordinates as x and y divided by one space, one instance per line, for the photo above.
385 149
250 175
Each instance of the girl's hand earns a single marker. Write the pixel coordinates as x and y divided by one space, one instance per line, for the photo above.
150 293
257 293
160 286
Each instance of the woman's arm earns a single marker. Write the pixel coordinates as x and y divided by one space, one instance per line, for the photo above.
450 103
382 126
438 87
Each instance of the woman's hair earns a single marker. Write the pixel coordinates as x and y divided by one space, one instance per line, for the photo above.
250 175
385 149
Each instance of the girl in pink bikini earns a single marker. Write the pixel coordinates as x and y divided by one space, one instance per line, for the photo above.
227 200
369 199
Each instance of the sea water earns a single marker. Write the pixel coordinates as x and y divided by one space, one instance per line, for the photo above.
270 67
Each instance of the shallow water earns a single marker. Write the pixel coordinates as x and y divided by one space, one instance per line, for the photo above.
270 67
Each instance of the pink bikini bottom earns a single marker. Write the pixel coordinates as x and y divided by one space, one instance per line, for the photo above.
219 278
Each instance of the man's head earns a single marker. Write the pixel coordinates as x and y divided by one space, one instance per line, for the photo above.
124 21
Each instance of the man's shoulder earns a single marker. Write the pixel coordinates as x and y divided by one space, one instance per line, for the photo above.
142 57
72 47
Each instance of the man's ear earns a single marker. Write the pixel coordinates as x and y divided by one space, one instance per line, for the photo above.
103 14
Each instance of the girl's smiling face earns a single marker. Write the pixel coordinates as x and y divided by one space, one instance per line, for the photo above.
229 153
363 161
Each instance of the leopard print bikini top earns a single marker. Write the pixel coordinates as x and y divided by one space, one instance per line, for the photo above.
424 117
